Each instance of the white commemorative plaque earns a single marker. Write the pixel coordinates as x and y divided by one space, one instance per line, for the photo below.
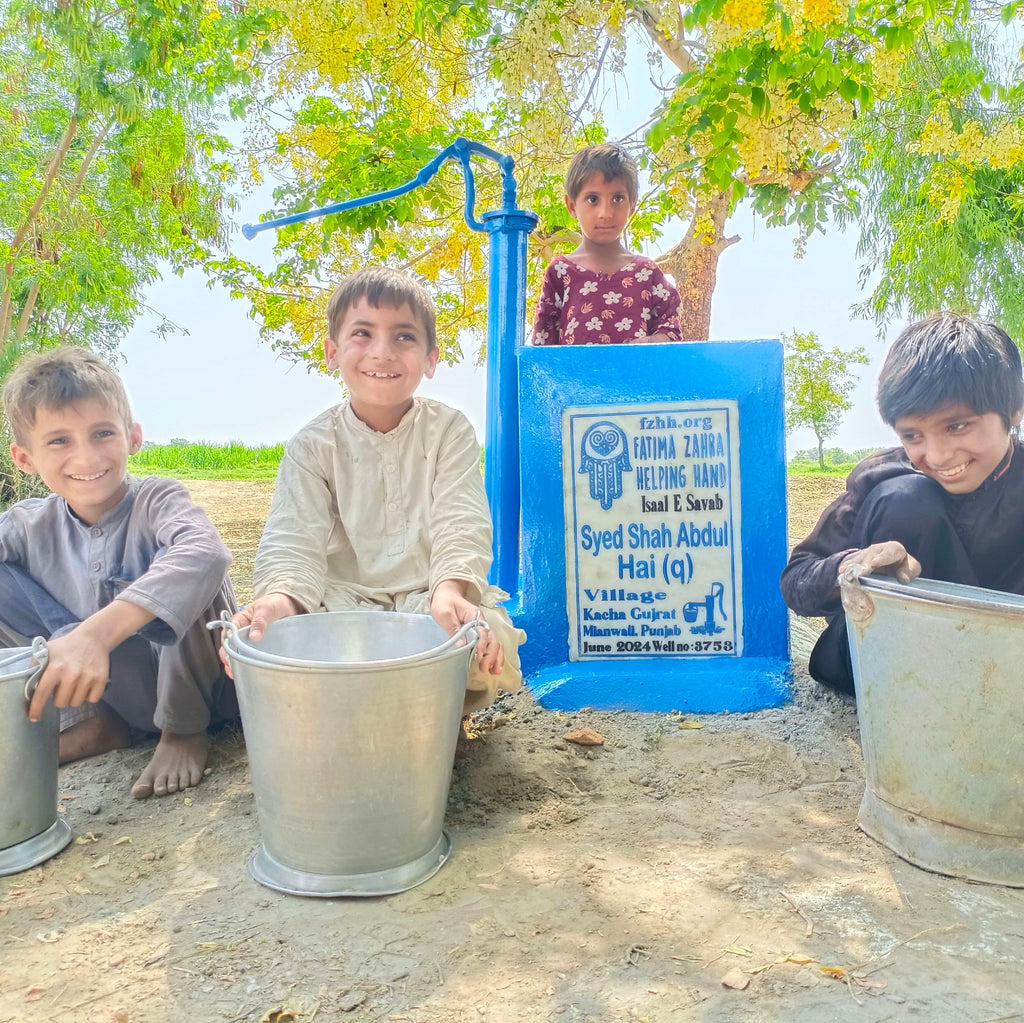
653 539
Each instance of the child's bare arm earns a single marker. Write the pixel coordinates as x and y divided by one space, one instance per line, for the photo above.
451 609
79 663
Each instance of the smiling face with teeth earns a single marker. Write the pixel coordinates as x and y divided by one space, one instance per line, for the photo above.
955 445
81 452
382 355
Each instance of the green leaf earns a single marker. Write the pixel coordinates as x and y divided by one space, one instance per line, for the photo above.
758 102
849 89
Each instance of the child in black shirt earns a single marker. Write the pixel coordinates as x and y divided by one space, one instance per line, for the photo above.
948 504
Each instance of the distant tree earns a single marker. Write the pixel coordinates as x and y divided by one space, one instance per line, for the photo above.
111 163
818 385
939 163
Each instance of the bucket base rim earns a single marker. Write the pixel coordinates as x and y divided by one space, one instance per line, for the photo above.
35 850
264 869
943 848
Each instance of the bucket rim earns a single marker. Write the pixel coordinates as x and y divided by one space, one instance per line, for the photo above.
248 653
935 591
22 856
12 656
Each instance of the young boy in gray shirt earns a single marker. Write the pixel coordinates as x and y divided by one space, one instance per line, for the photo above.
118 574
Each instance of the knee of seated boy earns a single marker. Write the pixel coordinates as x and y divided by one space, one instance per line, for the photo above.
904 503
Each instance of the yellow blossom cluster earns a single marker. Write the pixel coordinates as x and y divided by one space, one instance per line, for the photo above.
459 247
744 14
536 62
946 188
255 171
348 45
704 228
1006 145
1000 145
886 67
823 12
616 16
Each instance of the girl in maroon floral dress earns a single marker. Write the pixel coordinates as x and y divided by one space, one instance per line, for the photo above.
602 294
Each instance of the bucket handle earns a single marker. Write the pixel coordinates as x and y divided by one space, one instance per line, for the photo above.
41 655
478 623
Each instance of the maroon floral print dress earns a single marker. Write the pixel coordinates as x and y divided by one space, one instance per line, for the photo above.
578 306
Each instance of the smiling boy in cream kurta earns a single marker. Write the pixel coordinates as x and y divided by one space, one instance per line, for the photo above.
379 501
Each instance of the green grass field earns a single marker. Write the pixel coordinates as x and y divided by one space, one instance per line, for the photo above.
234 461
800 468
237 461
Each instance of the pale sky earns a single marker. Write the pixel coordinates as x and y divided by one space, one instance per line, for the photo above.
219 383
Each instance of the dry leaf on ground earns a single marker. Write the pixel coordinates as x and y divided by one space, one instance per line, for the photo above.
736 979
280 1015
584 737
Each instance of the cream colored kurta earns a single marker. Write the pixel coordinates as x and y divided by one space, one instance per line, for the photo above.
362 519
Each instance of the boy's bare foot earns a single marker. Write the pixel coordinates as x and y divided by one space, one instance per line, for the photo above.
177 763
95 735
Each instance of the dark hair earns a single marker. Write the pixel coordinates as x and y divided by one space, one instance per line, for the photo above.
945 359
609 160
57 378
379 284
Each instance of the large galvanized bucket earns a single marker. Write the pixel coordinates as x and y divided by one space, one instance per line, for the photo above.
939 675
30 830
350 720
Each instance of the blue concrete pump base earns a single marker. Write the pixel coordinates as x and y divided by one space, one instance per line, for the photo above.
706 686
553 379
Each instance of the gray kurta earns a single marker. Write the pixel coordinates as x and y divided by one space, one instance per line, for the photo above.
156 549
362 519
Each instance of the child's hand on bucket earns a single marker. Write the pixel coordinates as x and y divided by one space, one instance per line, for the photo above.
258 615
889 558
451 609
78 664
76 673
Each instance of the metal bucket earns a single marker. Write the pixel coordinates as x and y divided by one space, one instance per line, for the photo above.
30 830
940 698
351 720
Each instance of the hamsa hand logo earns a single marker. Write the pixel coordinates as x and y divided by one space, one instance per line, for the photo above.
604 454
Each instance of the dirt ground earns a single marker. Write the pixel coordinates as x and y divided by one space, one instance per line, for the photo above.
610 883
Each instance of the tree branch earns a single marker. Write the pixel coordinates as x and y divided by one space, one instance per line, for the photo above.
26 312
673 48
593 85
49 176
89 157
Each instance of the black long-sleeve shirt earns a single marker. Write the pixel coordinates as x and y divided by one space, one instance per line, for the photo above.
989 522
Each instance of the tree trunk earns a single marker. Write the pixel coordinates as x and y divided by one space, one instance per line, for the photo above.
821 449
694 264
53 167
